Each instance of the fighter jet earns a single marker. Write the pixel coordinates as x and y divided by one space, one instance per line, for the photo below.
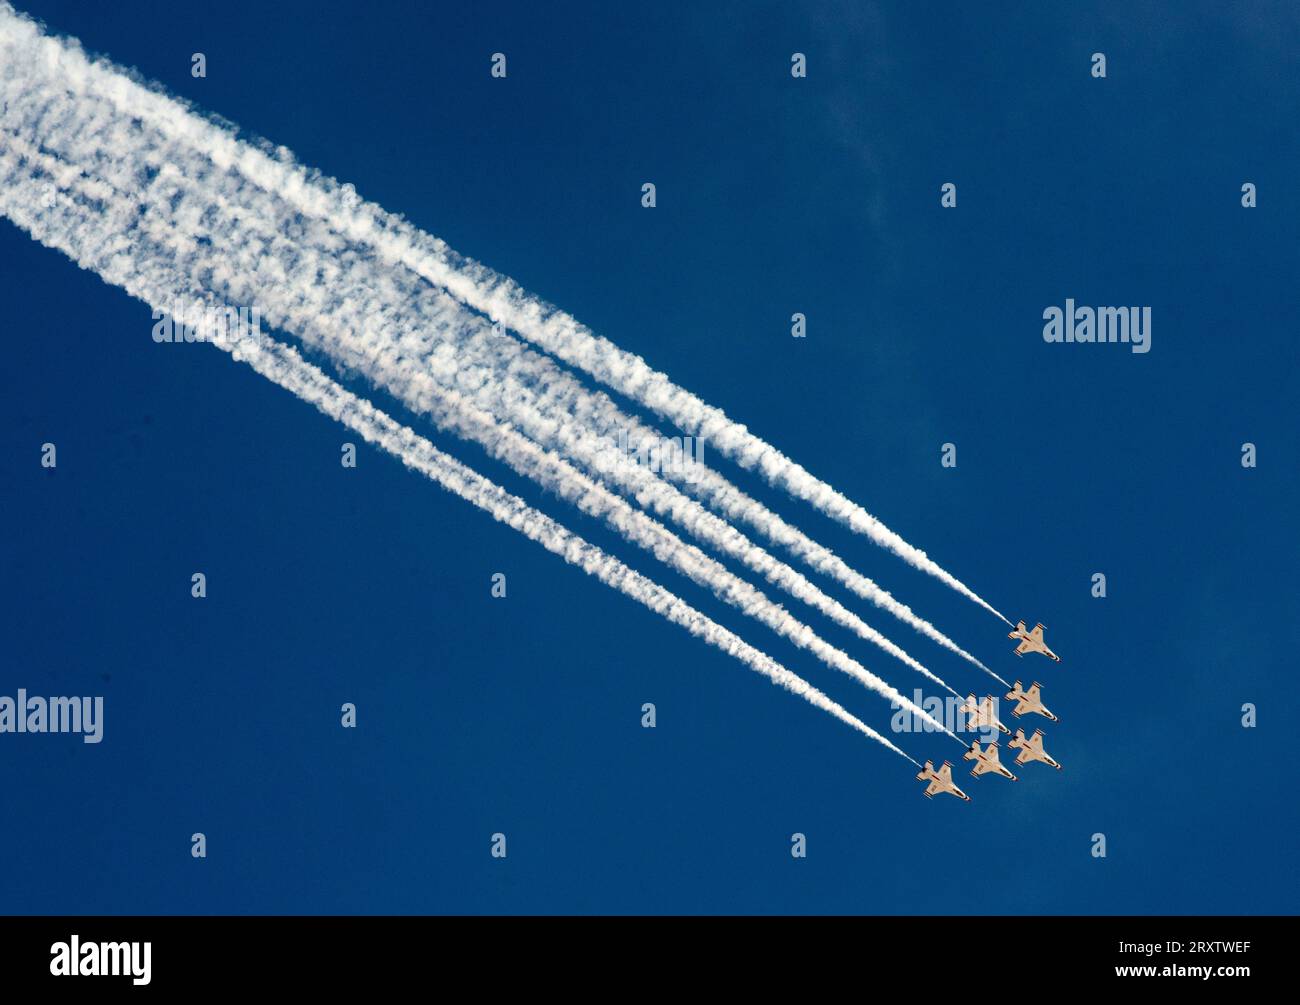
1028 701
1031 749
986 760
1031 642
982 714
940 781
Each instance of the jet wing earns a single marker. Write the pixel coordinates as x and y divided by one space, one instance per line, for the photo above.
1024 647
945 774
934 788
1032 693
980 768
1037 634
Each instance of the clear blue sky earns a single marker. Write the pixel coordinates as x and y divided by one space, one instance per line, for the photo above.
775 195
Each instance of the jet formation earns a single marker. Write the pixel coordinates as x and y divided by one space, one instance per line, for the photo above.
982 715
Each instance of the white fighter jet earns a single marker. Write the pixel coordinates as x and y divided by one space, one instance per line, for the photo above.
1031 642
981 713
940 781
1029 701
986 760
1031 749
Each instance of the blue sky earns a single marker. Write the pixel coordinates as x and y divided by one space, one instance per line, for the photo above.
775 195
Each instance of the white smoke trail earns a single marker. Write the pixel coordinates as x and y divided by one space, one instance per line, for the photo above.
482 289
89 129
181 211
64 224
131 252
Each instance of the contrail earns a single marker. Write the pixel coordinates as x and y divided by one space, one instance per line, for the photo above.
172 119
68 227
126 256
480 425
482 289
561 394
